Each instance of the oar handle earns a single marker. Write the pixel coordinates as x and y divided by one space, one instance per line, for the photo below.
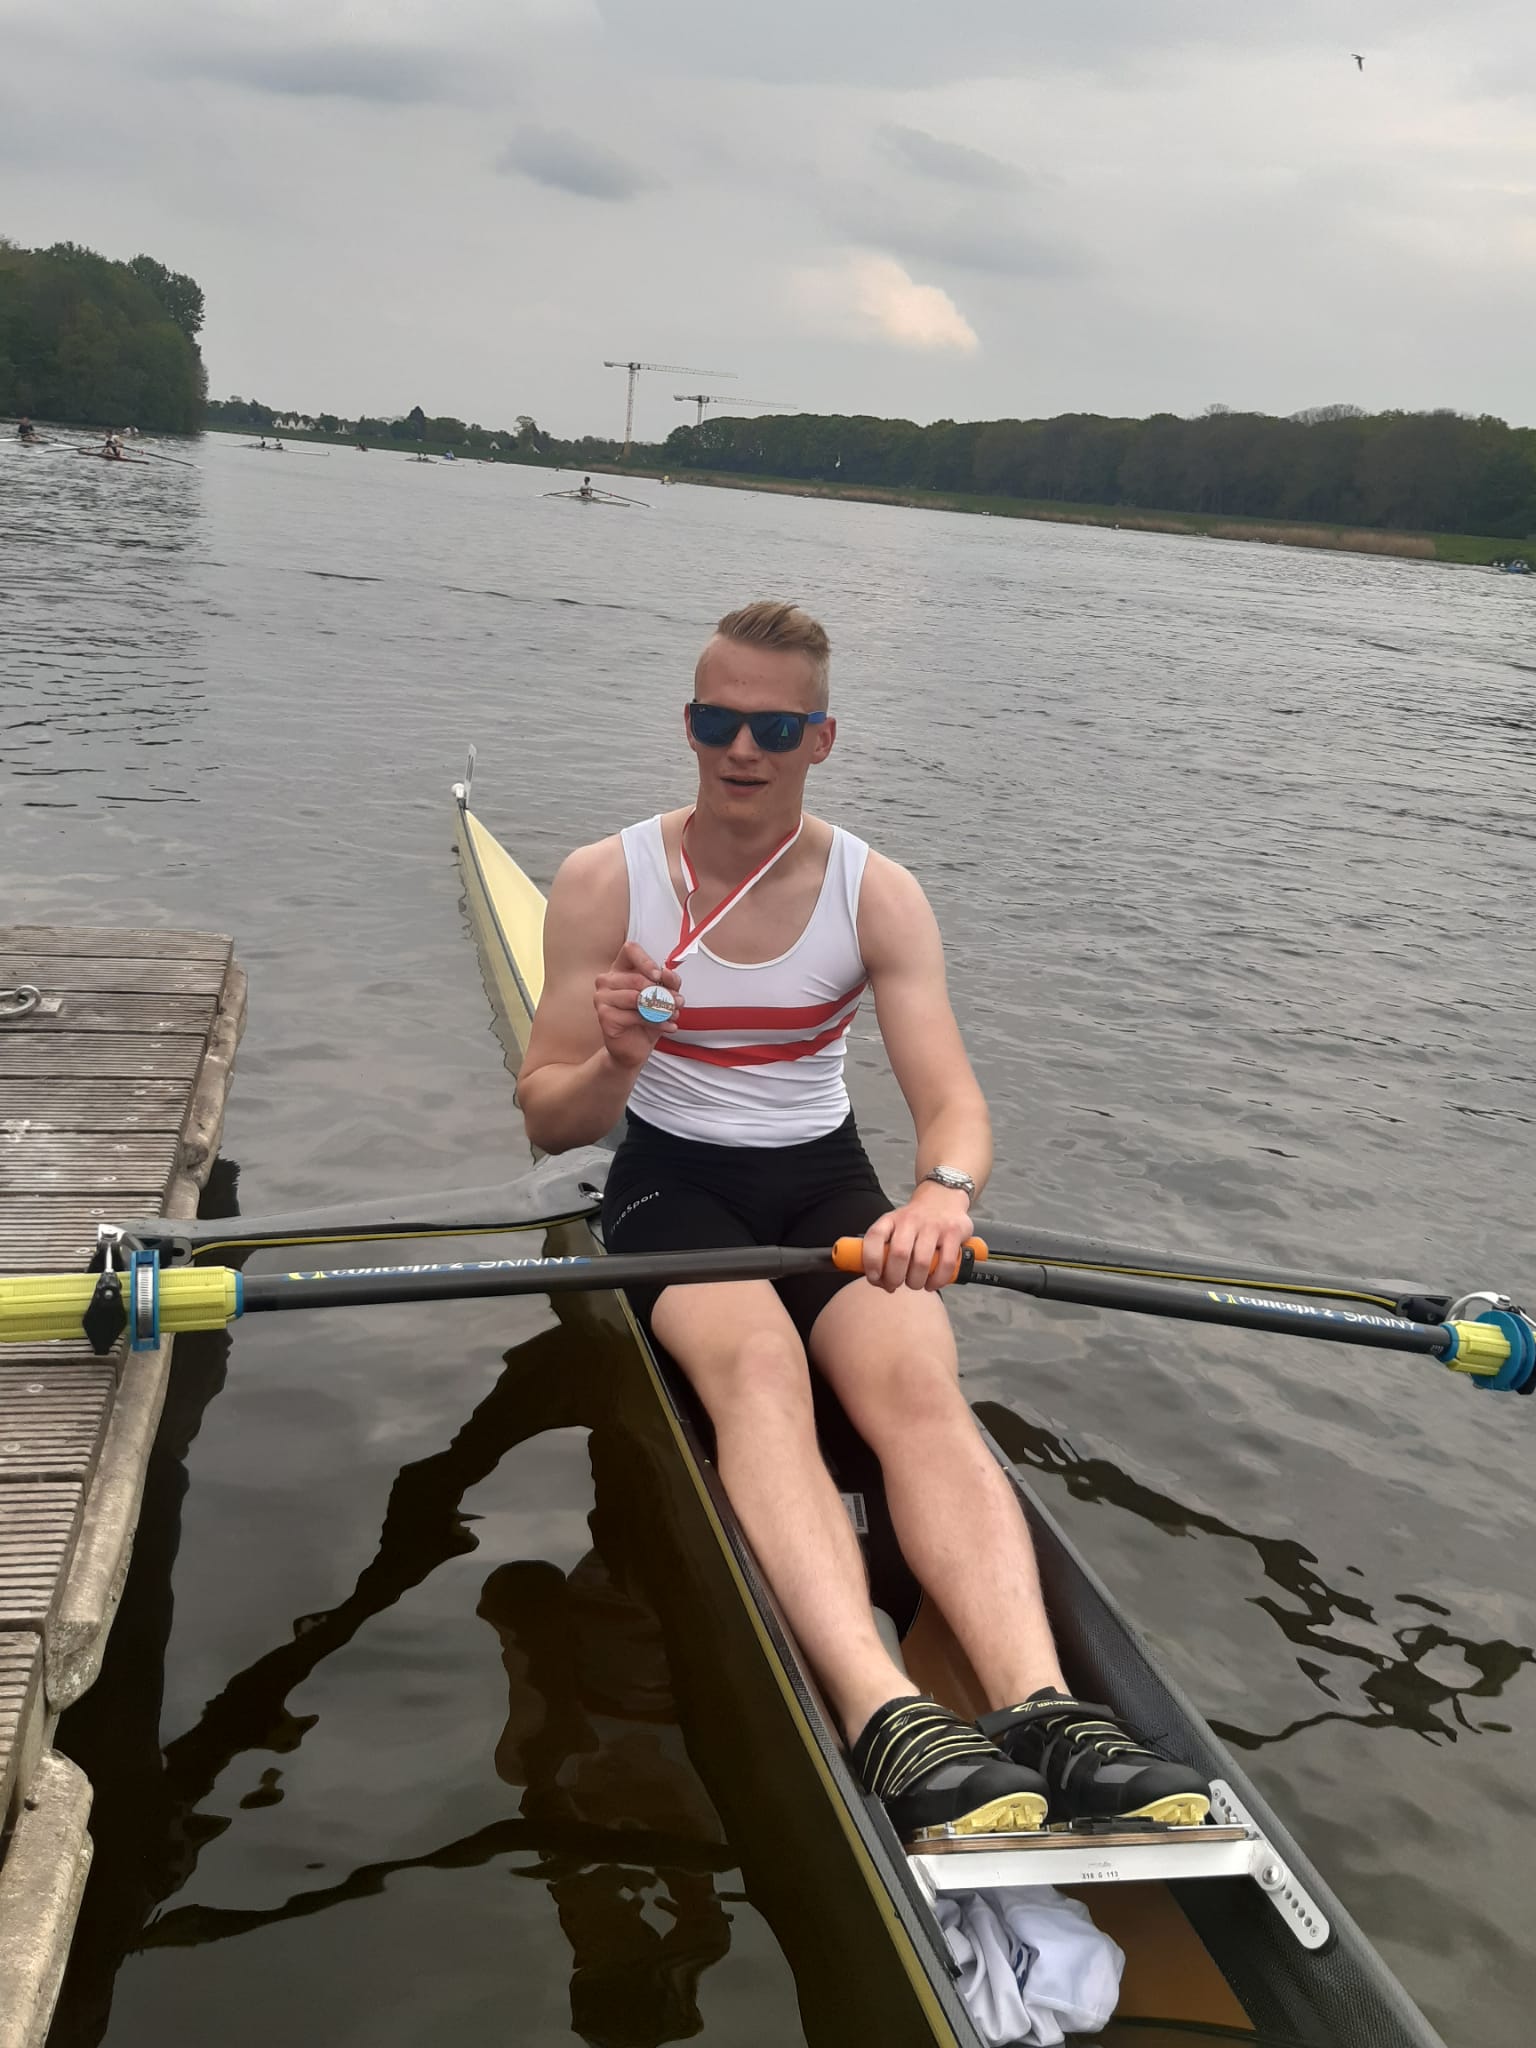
848 1257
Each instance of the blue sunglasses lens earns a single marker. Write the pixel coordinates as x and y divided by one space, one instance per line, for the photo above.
776 732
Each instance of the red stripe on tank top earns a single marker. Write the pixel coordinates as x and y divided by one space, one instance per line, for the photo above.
753 1055
696 1019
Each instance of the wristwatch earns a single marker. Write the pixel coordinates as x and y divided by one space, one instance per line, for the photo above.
952 1177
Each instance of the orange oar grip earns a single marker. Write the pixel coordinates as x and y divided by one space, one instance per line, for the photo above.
848 1254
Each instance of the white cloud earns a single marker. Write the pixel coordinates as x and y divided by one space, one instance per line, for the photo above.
865 295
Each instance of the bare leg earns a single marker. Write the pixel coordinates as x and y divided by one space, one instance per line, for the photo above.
746 1362
891 1360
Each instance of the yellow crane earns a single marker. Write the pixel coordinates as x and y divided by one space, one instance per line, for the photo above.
703 398
670 369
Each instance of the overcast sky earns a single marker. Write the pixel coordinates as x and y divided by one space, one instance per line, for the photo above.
961 208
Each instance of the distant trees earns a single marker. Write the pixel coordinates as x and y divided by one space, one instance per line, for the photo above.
102 343
1426 472
524 442
241 412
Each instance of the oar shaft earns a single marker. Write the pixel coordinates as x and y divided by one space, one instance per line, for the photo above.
470 1279
1235 1308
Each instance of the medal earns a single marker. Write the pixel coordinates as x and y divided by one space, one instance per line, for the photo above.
657 1005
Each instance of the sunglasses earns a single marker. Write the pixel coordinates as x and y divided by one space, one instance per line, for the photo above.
776 732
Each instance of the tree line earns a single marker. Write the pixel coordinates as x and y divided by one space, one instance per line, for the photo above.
525 441
99 343
1428 472
1415 472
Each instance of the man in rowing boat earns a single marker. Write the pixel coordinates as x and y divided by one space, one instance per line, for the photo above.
761 928
25 431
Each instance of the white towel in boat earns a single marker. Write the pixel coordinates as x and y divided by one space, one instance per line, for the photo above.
1033 1967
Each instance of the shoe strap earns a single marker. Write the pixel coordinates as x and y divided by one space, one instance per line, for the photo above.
906 1739
1086 1720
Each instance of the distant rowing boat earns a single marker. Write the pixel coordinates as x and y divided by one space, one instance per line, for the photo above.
591 497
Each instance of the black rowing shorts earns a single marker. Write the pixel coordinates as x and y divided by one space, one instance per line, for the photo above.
667 1194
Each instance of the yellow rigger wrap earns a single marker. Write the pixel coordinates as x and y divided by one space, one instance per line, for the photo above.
1482 1349
36 1308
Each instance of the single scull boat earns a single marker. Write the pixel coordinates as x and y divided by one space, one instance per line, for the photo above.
1229 1933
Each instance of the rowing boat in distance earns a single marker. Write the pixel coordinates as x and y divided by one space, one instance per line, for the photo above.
589 495
1229 1932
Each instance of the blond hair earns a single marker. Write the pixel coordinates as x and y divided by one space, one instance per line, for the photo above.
788 630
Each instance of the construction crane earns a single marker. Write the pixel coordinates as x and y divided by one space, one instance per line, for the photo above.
703 398
670 369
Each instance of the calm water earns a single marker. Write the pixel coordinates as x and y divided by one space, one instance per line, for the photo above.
1235 854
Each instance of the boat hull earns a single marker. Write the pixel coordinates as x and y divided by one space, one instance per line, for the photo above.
820 1857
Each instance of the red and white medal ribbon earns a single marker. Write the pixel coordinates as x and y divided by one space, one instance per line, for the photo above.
690 935
658 1005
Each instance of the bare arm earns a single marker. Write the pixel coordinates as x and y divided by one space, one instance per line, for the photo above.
588 1042
899 938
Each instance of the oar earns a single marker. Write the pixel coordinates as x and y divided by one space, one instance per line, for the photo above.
1011 1242
561 1189
180 460
1497 1345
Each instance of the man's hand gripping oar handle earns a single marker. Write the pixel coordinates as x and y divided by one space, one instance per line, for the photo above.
848 1257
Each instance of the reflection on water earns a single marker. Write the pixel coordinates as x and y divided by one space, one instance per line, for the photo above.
613 1817
1390 1671
1235 882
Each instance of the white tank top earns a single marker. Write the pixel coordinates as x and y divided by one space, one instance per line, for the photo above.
758 1055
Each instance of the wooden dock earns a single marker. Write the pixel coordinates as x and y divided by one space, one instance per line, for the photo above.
113 1080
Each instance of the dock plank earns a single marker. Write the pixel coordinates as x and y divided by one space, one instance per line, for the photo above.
52 972
81 941
38 1527
34 1164
108 1011
52 1419
131 1055
21 1682
45 1104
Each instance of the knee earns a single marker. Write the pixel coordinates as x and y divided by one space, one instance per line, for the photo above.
911 1395
762 1379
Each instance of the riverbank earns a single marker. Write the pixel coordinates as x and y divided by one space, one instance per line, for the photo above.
1476 550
